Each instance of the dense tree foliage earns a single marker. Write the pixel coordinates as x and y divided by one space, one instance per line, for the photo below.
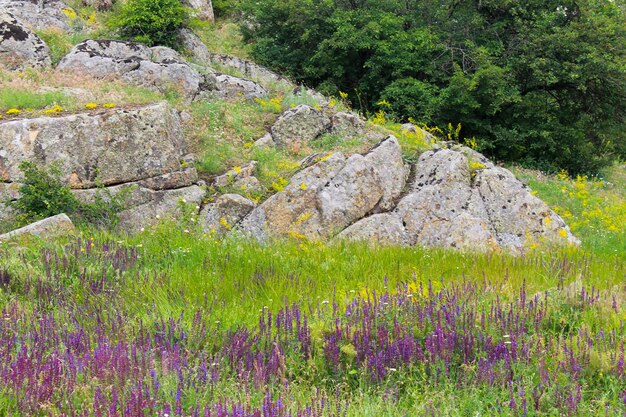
540 82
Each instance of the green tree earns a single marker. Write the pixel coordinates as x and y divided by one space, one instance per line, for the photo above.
541 82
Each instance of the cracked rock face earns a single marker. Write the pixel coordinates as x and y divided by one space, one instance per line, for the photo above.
221 216
141 150
331 194
38 14
456 198
19 47
300 125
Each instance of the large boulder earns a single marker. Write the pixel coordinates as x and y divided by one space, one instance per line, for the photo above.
460 199
134 63
347 125
49 228
300 125
328 196
40 14
19 47
111 146
443 209
140 152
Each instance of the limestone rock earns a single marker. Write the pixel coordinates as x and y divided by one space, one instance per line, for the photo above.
364 184
347 125
382 228
164 55
52 227
230 87
518 217
194 45
331 194
292 212
247 68
116 146
132 62
267 141
39 14
202 9
19 47
298 126
421 133
159 205
225 213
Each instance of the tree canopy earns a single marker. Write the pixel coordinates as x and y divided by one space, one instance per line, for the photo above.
540 82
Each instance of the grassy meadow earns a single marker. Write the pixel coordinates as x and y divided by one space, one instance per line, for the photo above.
172 322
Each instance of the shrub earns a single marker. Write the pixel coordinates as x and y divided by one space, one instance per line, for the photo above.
43 194
153 22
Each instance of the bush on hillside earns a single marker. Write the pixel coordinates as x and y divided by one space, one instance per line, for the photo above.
152 22
43 194
540 82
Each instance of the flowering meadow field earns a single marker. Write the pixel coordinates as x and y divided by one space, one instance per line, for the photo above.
172 323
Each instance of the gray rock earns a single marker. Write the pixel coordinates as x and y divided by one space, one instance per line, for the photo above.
292 212
267 141
249 185
247 68
364 184
347 125
383 228
443 209
133 63
331 194
19 47
116 146
297 126
39 14
164 55
235 174
159 205
230 87
50 228
225 213
518 217
194 45
202 9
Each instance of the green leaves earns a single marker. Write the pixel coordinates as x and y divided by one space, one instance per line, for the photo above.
153 22
541 82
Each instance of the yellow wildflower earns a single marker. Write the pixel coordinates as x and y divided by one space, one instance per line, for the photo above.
12 112
91 106
109 105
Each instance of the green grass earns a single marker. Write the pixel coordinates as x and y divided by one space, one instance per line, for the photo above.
17 98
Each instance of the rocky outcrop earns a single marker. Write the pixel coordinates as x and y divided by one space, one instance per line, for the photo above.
220 217
455 198
113 146
202 9
347 125
133 63
157 68
19 47
247 68
300 125
39 14
230 87
141 149
50 228
235 174
326 197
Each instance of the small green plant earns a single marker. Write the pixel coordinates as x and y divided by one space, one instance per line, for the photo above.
153 22
43 194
